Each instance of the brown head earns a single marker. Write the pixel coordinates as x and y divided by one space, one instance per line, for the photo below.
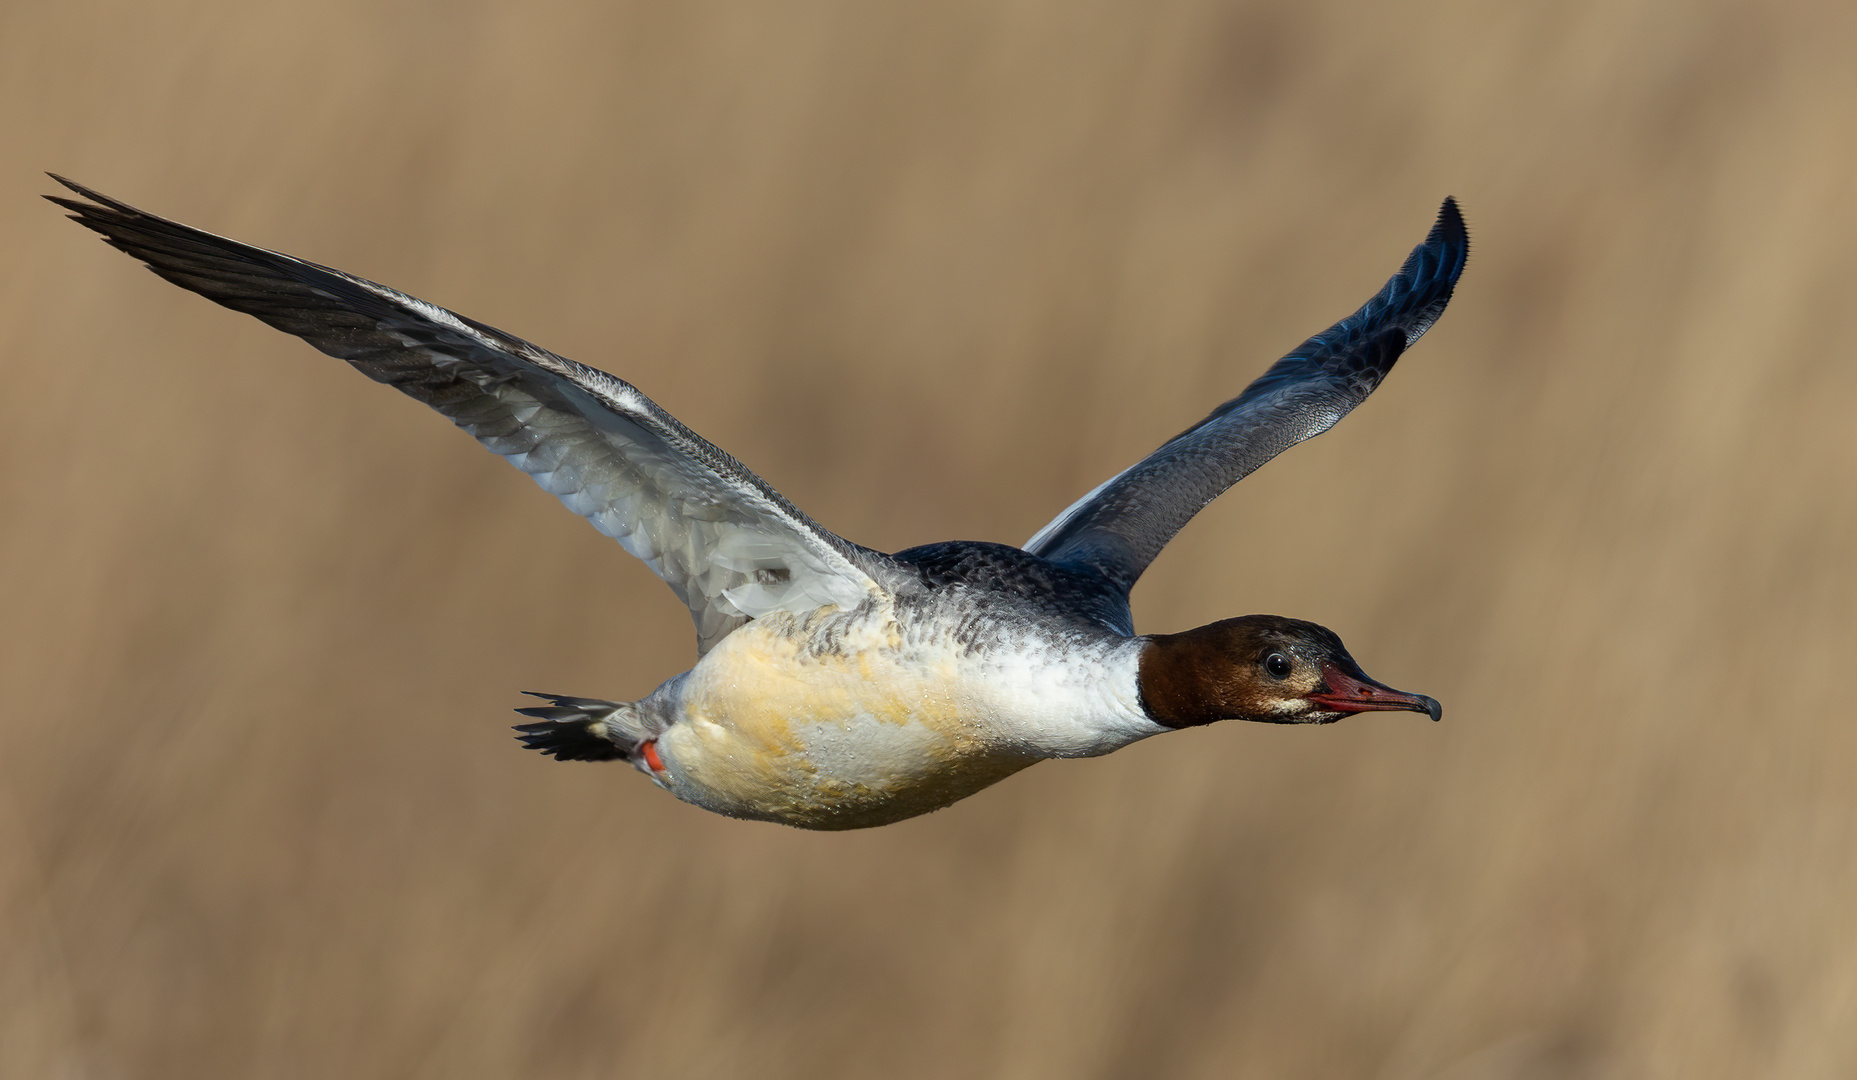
1264 668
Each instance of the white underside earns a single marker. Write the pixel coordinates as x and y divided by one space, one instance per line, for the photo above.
876 730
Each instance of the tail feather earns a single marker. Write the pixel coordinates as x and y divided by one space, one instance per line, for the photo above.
573 728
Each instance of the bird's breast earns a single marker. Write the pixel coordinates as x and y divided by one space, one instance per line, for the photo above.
785 722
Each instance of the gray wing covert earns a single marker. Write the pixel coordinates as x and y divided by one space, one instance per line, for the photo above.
1117 529
729 545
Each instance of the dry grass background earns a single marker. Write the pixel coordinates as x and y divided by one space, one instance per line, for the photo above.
935 269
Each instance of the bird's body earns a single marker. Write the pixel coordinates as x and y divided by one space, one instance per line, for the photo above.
844 718
839 687
849 719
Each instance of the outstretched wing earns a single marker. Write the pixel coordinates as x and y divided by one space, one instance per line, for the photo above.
1120 527
730 546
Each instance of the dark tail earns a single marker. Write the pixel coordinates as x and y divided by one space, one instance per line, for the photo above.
572 728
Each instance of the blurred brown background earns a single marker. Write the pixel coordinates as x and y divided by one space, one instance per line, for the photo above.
934 270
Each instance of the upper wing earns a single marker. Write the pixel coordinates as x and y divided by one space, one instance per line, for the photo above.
729 545
1120 527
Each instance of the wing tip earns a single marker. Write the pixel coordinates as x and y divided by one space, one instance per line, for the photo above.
98 204
74 186
1418 294
1450 218
1450 234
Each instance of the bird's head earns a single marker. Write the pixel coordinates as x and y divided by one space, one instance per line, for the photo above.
1264 668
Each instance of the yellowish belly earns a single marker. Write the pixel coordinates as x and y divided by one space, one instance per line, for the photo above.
835 741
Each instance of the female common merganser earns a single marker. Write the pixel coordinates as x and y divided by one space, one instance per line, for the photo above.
837 687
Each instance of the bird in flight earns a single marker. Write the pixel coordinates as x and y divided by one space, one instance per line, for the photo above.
838 687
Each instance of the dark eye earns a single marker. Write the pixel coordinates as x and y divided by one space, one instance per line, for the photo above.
1278 665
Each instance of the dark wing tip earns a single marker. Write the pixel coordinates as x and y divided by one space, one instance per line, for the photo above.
93 196
1418 293
1366 344
331 310
100 209
1449 228
166 247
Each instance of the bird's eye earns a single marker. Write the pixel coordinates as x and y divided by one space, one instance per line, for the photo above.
1278 665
